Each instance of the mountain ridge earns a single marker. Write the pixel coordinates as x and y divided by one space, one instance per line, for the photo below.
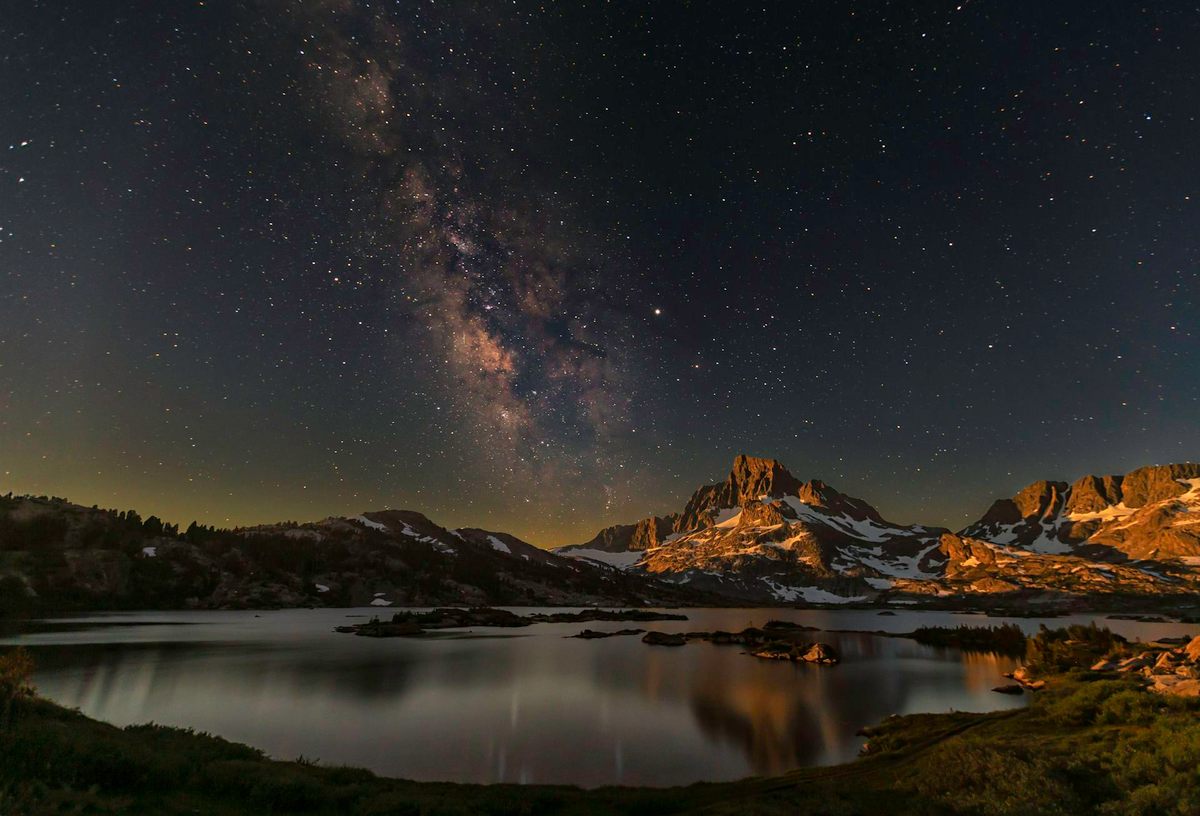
55 555
763 534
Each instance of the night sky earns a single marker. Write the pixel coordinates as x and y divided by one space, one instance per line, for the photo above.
542 267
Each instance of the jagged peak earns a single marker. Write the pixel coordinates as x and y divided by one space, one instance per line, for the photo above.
754 476
1045 499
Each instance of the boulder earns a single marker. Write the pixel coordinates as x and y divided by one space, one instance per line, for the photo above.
1103 666
1192 650
820 653
1011 688
1137 662
1166 663
1179 687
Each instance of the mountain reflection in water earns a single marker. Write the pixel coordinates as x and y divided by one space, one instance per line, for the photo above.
529 705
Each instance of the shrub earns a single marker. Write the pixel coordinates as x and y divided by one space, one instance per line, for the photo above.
987 781
1082 706
16 674
1059 650
1006 639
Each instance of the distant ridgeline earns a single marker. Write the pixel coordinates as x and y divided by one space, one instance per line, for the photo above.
762 536
55 555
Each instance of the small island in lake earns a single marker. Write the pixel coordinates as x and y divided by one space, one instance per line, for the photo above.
412 624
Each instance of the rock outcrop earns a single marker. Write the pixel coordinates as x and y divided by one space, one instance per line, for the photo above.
1152 513
1174 671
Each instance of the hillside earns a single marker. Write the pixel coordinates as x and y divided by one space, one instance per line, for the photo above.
55 555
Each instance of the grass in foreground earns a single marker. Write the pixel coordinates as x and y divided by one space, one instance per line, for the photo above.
1089 744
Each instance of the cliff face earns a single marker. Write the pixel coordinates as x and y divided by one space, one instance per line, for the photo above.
635 537
749 478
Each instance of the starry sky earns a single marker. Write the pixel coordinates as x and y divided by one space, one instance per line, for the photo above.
543 267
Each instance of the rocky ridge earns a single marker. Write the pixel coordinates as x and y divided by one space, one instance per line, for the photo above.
764 535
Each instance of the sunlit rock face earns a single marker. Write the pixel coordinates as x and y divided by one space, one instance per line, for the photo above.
762 534
1152 513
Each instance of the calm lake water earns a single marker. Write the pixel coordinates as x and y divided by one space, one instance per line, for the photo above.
518 705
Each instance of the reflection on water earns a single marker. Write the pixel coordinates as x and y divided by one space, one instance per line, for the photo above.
529 705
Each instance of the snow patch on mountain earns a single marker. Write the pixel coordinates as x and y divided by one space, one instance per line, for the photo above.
1113 511
374 525
1047 544
619 560
498 545
808 594
897 566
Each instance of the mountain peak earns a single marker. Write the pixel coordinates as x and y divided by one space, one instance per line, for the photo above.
754 476
749 478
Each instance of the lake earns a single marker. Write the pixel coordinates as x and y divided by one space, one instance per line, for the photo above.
518 705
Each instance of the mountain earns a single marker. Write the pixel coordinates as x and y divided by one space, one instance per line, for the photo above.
761 535
55 555
1152 513
764 535
623 544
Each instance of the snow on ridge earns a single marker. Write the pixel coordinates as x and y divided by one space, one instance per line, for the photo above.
620 560
498 545
900 566
1112 511
1045 545
865 529
374 525
808 594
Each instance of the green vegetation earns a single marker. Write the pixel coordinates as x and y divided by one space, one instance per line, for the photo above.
1007 639
1083 746
1076 646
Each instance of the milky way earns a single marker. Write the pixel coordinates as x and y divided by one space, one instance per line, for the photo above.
544 268
519 326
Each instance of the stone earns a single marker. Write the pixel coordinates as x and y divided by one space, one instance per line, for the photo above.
820 653
1137 662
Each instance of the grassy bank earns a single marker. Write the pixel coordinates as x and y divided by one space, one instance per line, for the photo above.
1087 744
